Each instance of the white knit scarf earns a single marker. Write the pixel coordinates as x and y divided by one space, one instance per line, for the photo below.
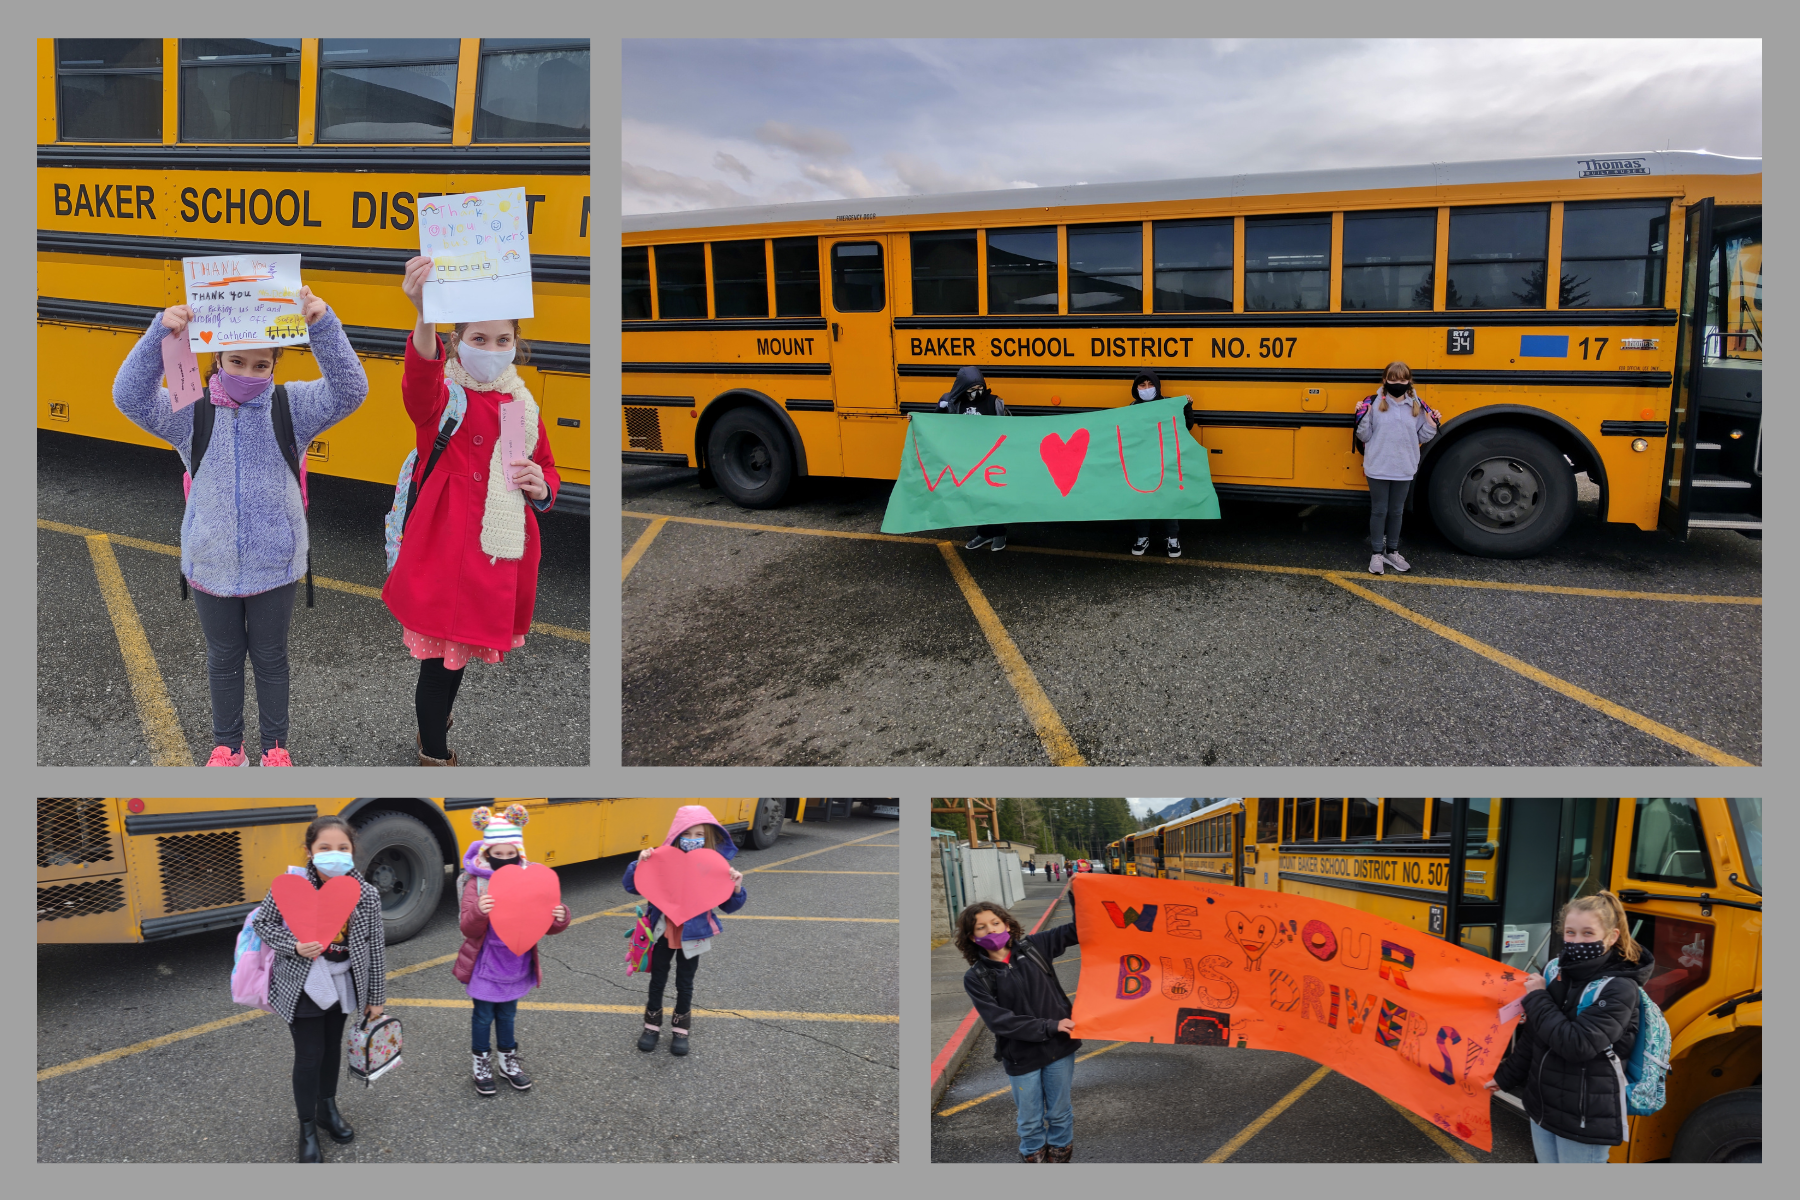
503 517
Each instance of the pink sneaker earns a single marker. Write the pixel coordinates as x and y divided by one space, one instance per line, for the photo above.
225 756
278 757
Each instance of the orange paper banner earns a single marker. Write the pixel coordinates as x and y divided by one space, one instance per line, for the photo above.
1409 1015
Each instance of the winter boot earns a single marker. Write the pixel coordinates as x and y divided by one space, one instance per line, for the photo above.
679 1024
1059 1154
1038 1154
484 1075
652 1031
515 1074
332 1121
309 1143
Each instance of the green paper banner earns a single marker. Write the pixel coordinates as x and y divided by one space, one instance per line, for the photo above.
1116 464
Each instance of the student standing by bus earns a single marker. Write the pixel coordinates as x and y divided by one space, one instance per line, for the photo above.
244 540
465 582
969 394
1147 386
1391 426
1013 985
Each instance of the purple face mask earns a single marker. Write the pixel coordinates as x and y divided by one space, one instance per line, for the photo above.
994 941
229 391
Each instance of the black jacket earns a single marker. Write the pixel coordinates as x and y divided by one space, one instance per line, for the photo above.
1187 410
1558 1065
1022 1001
970 394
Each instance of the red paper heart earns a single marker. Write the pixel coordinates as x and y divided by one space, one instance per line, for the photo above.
524 896
315 914
1064 458
206 336
684 884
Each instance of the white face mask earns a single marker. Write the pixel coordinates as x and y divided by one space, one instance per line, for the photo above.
1146 393
484 365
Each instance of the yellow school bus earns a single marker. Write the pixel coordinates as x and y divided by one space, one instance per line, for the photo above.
769 343
1497 871
138 869
152 149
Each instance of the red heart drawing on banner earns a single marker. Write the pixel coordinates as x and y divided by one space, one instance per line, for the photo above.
684 884
1064 458
206 336
315 914
524 897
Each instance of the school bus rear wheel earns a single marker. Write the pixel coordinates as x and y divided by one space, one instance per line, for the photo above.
750 458
1726 1128
400 857
1502 493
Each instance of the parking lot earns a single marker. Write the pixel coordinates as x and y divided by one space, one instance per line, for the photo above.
1138 1103
142 1056
122 663
802 635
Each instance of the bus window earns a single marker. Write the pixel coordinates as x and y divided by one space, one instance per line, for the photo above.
1747 815
1683 952
1360 826
857 281
386 89
1734 303
1405 820
1614 253
1306 814
740 272
1287 264
1106 268
1331 819
1667 843
1497 256
109 89
797 277
532 89
1482 825
681 281
1584 857
943 273
1440 817
1021 266
1388 259
240 89
634 280
1193 265
1268 821
1288 820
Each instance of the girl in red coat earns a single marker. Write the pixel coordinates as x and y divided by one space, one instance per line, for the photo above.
465 581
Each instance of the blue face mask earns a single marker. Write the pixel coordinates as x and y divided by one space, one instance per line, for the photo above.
690 843
332 863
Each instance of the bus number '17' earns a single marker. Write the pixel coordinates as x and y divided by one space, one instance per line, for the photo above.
1268 347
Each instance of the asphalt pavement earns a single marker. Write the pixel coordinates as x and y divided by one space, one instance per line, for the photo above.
352 679
809 641
1141 1103
806 1071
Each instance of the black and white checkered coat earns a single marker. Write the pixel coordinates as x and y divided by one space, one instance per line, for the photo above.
368 951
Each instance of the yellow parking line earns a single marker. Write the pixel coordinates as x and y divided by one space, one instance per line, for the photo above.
638 1010
810 853
995 1095
334 585
168 747
642 544
94 1060
1275 1110
1042 714
1445 1142
1557 590
852 534
1636 720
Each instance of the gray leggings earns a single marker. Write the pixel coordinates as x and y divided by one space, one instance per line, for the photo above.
1387 504
258 626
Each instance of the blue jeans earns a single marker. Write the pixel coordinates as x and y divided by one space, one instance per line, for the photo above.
487 1012
1554 1149
1045 1110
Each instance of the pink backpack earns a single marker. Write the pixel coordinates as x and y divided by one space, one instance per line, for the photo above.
253 963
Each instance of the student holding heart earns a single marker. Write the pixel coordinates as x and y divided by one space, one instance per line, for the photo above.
512 905
330 960
688 881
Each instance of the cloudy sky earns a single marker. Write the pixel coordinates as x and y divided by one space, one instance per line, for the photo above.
719 123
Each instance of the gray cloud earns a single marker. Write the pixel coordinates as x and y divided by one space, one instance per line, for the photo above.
686 191
812 143
725 162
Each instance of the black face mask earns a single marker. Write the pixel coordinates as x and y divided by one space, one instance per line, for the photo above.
1582 952
1397 389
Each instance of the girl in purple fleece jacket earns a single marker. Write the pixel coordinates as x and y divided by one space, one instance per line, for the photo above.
243 536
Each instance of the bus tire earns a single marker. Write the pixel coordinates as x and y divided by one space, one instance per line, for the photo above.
1726 1128
749 456
1502 493
397 854
766 828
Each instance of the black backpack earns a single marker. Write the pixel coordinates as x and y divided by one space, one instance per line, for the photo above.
283 417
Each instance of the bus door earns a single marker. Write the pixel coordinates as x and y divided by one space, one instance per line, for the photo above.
1668 879
861 337
1690 345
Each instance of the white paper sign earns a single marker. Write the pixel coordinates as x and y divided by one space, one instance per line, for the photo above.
244 300
480 248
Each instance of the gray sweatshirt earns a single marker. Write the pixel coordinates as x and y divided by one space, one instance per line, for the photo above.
1391 439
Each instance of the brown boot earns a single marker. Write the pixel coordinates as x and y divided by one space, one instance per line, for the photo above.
1035 1156
1059 1154
425 760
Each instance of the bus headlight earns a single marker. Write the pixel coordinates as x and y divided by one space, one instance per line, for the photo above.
1640 445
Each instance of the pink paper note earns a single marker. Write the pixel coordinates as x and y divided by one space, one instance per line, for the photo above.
515 439
182 370
1514 1009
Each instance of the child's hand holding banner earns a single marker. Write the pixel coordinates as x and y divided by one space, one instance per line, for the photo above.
1411 1016
479 244
244 301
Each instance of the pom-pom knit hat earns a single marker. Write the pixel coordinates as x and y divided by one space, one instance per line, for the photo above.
503 830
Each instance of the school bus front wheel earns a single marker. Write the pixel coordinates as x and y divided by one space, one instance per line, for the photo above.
750 458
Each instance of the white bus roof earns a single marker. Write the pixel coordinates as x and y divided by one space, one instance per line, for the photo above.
1215 806
1278 183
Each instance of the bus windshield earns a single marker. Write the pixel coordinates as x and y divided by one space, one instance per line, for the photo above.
1747 816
